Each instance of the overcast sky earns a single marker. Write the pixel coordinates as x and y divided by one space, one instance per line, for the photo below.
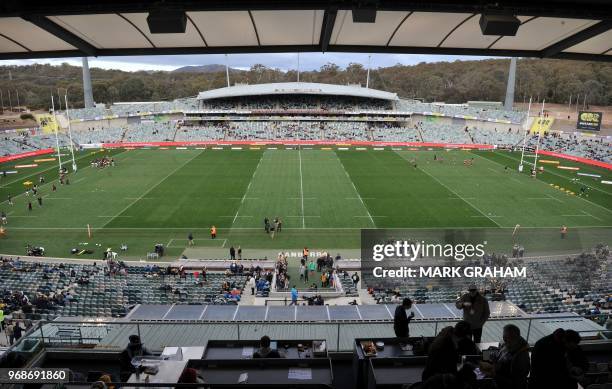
284 61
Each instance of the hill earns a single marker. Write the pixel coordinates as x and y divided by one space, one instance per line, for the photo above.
451 82
213 68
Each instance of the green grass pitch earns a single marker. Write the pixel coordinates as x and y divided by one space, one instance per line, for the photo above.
324 198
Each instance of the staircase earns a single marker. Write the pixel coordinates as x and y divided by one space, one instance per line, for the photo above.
467 130
420 133
123 135
176 128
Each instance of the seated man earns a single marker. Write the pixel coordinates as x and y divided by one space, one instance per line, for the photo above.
135 348
264 350
463 340
510 365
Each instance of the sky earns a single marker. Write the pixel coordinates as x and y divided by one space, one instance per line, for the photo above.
283 61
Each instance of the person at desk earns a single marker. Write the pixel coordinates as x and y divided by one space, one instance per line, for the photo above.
549 365
401 320
264 350
510 365
475 311
463 339
442 356
190 376
135 348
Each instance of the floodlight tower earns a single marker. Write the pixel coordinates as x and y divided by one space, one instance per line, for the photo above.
509 102
87 91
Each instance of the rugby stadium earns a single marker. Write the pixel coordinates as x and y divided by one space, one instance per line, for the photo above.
306 234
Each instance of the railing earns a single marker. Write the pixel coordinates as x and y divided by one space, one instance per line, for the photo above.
339 335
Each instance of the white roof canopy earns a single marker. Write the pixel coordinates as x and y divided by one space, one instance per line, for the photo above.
62 28
295 88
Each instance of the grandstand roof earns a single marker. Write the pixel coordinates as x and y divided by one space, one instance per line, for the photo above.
65 28
297 88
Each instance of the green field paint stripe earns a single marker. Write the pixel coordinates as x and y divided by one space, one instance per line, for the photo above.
151 188
237 229
356 191
540 181
244 196
51 181
301 187
452 191
553 173
39 172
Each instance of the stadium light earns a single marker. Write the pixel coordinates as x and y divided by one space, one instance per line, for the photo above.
364 12
163 21
500 25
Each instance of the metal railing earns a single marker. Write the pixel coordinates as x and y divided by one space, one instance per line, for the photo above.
340 335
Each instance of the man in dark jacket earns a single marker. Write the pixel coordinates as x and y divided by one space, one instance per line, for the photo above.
511 363
475 311
401 320
264 350
548 363
442 355
463 339
578 363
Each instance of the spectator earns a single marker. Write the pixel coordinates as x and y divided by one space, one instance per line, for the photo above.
475 311
510 365
264 350
9 331
17 331
135 348
548 362
294 295
577 362
401 320
252 285
190 376
442 356
463 339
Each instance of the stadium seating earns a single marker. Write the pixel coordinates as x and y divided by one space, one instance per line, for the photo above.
502 138
573 284
597 148
460 110
444 133
96 292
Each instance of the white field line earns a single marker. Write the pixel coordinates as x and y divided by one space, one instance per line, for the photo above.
456 194
55 166
244 196
195 240
554 198
302 188
593 216
50 182
151 188
545 183
284 228
356 192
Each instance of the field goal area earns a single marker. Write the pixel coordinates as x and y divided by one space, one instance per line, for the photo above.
179 243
